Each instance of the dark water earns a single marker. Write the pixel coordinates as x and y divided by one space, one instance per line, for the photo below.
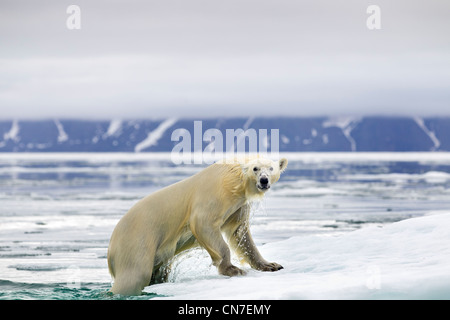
61 291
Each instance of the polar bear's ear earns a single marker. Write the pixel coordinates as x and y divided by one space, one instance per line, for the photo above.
283 164
244 168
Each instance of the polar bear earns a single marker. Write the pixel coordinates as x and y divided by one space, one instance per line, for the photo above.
194 211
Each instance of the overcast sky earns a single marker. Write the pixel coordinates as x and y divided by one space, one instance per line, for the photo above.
143 59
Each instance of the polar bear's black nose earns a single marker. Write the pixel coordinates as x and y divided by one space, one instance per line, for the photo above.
264 181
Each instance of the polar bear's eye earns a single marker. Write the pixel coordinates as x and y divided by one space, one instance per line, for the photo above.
271 168
255 169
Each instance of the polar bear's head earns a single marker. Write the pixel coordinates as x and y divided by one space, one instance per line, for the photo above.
262 173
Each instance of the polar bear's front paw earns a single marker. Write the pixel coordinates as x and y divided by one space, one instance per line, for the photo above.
231 271
270 266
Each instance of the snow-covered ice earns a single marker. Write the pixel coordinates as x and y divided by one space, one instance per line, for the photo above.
409 259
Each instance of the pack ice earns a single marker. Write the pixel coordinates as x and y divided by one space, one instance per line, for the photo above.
409 259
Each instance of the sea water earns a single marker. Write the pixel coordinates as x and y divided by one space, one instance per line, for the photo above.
57 212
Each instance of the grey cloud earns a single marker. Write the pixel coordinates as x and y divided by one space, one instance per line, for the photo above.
159 58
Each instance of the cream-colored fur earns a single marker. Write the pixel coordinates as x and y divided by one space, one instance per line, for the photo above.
194 211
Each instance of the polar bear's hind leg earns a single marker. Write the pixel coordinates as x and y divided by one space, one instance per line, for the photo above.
131 279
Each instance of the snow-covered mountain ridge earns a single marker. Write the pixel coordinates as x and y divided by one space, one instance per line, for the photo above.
295 133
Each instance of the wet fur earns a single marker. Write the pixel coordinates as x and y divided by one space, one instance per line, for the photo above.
194 211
